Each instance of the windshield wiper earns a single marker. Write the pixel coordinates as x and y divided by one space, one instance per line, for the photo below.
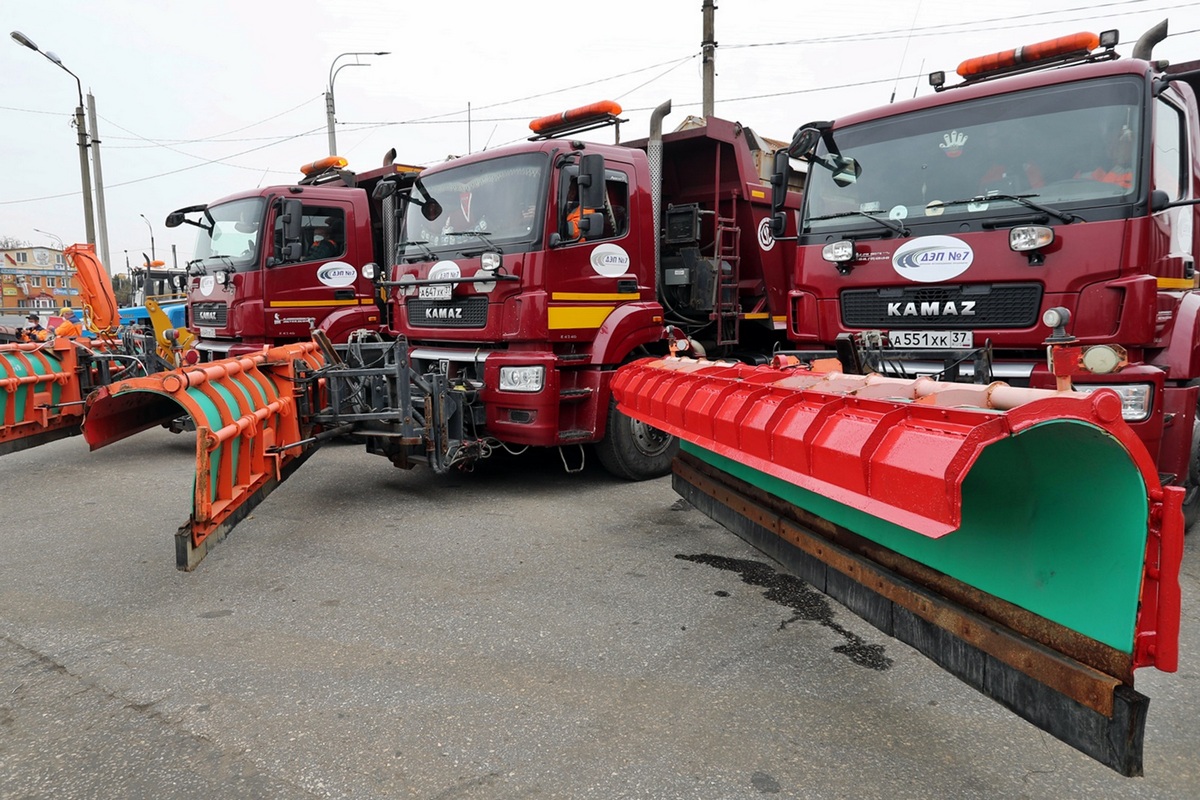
1020 199
481 235
893 225
425 251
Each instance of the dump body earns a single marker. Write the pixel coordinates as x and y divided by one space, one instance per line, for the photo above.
972 175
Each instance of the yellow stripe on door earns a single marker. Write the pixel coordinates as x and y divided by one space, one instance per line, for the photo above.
576 317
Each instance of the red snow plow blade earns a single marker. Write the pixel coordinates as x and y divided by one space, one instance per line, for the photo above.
1020 538
250 435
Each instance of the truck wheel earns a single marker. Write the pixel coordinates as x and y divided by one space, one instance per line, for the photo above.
1191 500
634 450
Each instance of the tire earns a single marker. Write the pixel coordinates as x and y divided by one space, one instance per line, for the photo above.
1191 484
634 450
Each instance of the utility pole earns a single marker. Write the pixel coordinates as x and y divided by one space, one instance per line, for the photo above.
708 51
101 218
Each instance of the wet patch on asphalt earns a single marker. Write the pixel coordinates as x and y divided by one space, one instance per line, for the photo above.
806 603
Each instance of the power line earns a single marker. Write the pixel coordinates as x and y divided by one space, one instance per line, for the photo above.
975 26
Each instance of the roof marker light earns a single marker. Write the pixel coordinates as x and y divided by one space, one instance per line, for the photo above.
1080 43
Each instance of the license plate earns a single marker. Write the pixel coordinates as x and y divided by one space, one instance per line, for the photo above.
438 291
208 333
932 340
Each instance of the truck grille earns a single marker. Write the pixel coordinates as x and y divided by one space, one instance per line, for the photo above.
461 312
1002 305
210 315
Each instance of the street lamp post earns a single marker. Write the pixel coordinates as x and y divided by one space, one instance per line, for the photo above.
151 227
329 109
84 174
53 236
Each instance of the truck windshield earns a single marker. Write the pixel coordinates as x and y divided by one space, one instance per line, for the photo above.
232 242
1070 146
494 203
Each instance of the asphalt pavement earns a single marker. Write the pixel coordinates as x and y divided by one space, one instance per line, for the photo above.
515 632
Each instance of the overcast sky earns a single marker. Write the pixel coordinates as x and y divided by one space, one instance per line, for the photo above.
200 100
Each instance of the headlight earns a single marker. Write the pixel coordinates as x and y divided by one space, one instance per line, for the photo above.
1137 399
838 251
1029 237
489 261
522 379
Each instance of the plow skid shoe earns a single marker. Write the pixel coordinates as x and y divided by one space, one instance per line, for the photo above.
40 394
249 433
1019 538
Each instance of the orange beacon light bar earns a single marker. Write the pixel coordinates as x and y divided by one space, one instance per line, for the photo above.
317 167
1076 43
600 110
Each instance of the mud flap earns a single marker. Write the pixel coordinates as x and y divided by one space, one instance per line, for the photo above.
250 432
1018 538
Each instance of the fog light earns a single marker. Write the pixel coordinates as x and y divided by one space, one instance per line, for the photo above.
1136 398
1030 237
490 261
522 379
370 270
838 251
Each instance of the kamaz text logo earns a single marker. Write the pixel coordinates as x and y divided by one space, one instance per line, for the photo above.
443 313
206 315
935 308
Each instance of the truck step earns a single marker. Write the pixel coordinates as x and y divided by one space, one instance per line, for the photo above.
574 395
571 436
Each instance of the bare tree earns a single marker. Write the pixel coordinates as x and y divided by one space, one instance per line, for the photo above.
12 243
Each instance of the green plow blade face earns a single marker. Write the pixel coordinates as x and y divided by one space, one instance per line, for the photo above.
1063 540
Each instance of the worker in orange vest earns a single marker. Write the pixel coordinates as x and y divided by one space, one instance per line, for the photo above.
69 327
34 332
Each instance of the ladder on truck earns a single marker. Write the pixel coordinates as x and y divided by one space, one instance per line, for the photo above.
726 308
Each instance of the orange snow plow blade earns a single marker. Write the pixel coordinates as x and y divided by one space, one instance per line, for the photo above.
249 431
1020 538
40 394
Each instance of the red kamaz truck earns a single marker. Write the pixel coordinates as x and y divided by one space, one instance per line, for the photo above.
1050 193
525 276
274 264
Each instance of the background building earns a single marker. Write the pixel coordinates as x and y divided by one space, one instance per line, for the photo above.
35 279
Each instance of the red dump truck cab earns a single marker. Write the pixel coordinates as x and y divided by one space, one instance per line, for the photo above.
497 286
275 264
937 234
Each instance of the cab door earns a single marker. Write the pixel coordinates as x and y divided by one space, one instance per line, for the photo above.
302 289
588 277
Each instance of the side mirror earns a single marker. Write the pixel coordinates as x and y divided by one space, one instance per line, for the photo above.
174 219
845 170
591 225
805 140
291 214
591 181
778 224
1159 201
431 209
384 188
780 169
